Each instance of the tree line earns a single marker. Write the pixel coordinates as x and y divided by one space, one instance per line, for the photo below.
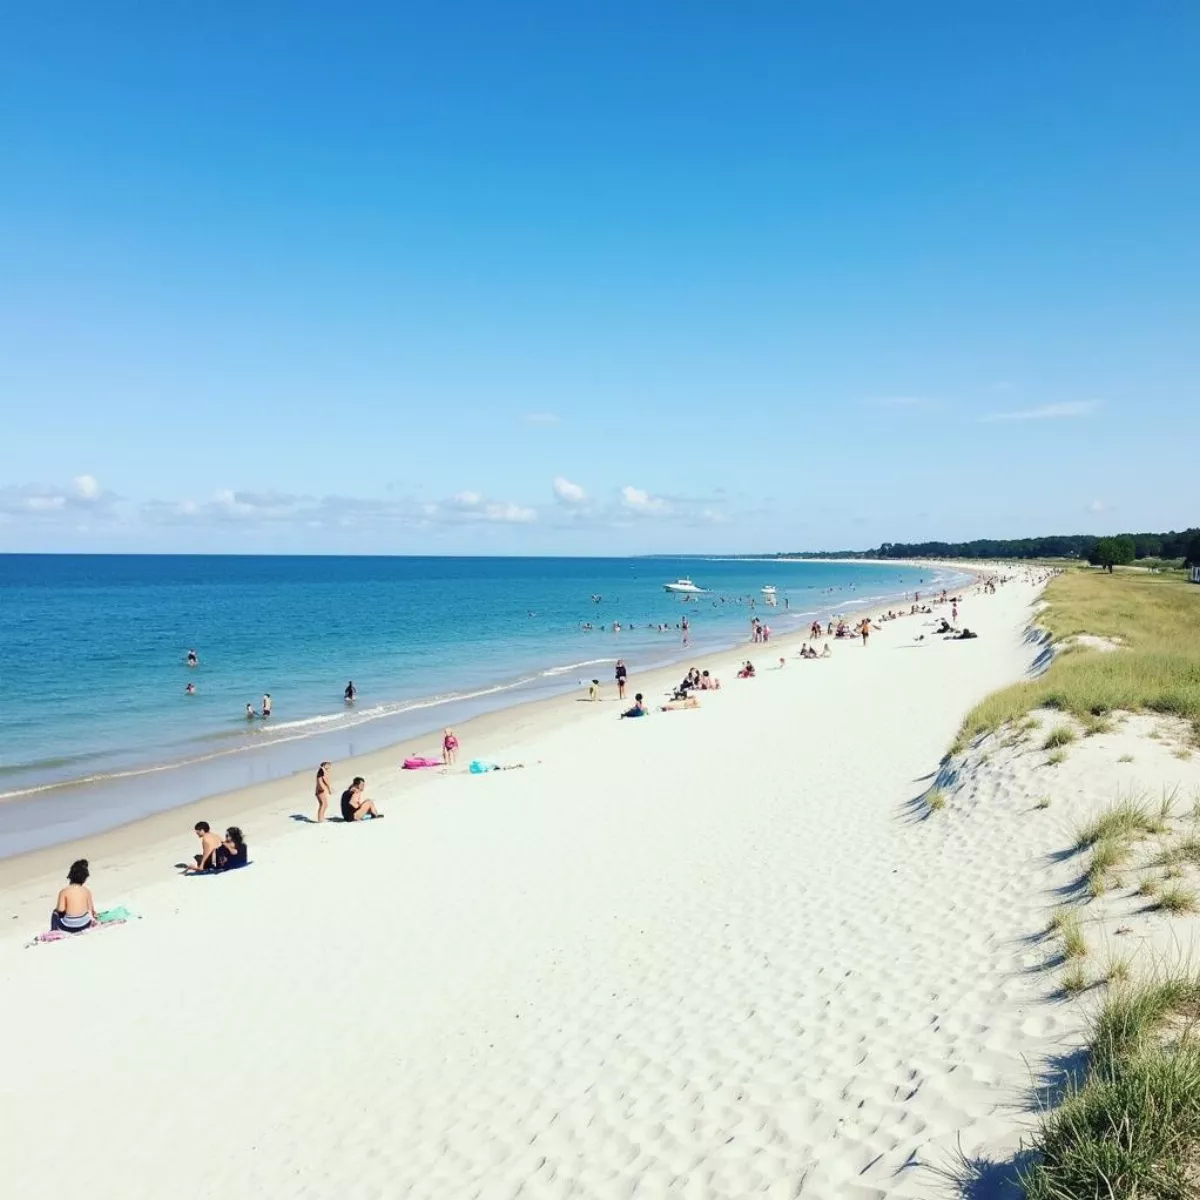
1100 551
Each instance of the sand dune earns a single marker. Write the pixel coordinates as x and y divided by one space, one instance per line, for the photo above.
704 954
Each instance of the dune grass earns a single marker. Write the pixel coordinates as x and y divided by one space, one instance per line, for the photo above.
1132 1128
935 799
1060 735
1126 818
1177 899
1068 927
1157 670
1056 757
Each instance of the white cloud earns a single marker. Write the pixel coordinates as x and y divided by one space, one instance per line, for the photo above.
1096 506
540 418
638 501
466 500
86 488
48 501
1048 412
568 493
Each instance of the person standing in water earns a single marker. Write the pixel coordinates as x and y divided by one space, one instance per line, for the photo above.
324 790
266 709
250 713
192 660
350 692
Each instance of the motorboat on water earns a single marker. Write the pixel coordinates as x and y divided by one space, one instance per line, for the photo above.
683 586
768 590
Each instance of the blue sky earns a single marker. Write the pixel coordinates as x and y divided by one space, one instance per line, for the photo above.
609 278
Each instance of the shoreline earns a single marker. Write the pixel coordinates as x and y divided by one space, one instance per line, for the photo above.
635 960
271 803
484 721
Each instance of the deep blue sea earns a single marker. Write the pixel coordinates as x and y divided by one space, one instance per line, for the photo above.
93 658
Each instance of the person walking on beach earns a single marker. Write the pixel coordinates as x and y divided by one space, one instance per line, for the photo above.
266 710
324 790
622 678
865 629
74 910
449 747
355 806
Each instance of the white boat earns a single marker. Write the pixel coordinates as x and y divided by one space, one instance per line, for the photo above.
686 586
768 590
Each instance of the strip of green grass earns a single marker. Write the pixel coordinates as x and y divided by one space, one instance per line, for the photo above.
1157 620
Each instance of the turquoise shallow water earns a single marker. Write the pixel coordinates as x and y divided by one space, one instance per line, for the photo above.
93 649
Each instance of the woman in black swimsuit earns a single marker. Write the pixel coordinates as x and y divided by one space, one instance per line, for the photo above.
621 678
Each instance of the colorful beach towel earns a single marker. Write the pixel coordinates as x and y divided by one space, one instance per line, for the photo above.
417 761
110 916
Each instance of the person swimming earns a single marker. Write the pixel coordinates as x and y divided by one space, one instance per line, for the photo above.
250 713
190 689
192 659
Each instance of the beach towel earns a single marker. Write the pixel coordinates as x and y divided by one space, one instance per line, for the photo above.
110 916
418 761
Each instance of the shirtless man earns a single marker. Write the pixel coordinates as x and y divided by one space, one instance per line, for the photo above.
209 844
74 910
324 790
355 806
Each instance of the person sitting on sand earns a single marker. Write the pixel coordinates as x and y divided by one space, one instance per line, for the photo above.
676 705
449 747
709 683
638 709
747 671
74 910
355 806
209 845
232 852
324 790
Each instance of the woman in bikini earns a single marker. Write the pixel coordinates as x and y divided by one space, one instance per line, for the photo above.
74 910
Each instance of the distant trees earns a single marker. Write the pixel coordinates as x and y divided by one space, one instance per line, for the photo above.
1118 549
1112 552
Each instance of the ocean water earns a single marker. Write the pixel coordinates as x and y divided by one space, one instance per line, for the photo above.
97 727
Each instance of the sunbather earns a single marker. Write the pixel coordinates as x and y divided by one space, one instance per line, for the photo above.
355 806
638 709
74 910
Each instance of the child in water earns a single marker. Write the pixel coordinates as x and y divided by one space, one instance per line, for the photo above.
449 747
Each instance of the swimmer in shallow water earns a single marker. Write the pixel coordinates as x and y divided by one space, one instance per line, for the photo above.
190 689
250 713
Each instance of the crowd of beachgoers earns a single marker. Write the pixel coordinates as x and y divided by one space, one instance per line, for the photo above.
75 911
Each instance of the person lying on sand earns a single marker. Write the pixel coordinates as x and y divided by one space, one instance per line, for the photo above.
355 806
676 705
74 910
638 709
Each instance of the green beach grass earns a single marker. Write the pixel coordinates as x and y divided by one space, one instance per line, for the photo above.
1131 1129
1156 618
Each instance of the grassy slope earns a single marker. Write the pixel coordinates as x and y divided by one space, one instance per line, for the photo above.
1157 620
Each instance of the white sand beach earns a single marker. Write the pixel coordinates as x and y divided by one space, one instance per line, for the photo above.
713 953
